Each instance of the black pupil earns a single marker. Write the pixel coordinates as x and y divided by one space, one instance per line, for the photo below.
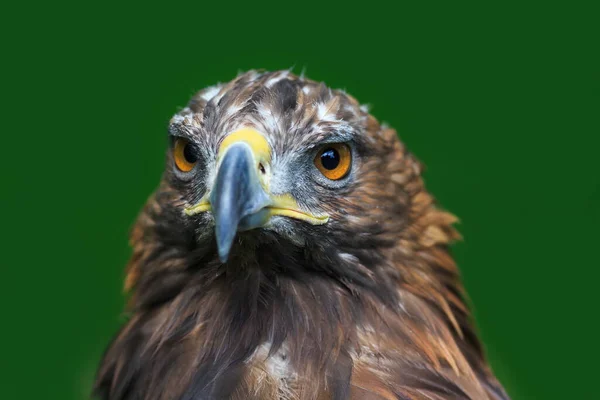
330 158
190 154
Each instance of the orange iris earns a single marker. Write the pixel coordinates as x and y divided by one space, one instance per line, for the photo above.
334 160
183 153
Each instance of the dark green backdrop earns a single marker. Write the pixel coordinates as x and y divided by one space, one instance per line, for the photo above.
500 102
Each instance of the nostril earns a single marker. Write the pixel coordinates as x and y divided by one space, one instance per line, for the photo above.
261 168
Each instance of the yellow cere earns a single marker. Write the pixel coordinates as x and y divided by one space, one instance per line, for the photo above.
257 142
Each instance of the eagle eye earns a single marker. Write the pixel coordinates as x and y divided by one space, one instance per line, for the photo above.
333 160
184 154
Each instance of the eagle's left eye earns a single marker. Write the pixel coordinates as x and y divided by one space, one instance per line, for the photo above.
184 154
334 160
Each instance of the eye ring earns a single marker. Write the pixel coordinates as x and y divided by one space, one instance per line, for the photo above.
334 160
185 155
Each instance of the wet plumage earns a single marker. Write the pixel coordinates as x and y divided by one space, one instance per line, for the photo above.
350 295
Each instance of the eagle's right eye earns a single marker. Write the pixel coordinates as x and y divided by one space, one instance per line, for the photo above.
185 155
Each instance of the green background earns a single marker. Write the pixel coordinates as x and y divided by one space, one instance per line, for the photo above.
501 103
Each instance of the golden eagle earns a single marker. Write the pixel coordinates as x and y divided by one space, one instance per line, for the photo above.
292 251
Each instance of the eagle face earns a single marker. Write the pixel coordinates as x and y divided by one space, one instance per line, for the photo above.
276 160
292 251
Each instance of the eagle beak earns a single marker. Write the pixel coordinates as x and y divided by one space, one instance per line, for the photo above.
237 197
240 198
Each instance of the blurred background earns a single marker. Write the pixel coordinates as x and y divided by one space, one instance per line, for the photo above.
499 101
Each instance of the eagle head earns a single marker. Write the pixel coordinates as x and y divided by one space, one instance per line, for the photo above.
282 171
